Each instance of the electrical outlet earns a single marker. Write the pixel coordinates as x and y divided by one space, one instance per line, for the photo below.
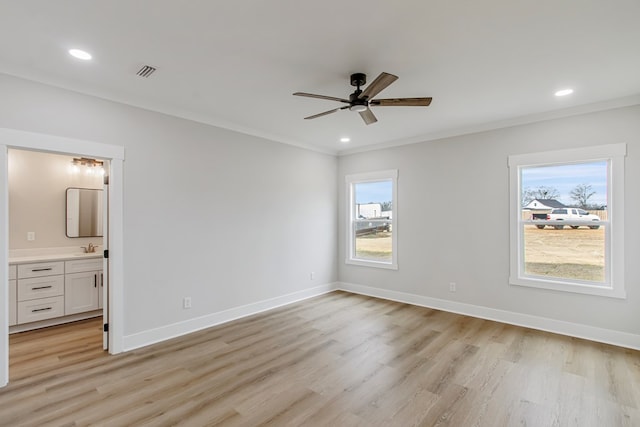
186 302
312 276
452 286
31 236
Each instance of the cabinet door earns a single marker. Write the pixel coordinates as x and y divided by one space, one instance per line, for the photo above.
81 292
100 288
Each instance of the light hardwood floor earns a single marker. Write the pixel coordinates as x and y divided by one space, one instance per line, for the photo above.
338 359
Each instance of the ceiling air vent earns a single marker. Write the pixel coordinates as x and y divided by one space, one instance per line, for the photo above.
146 71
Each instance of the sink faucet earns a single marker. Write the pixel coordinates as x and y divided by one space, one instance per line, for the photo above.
89 249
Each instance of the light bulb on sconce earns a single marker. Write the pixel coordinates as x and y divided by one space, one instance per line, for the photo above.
98 171
92 166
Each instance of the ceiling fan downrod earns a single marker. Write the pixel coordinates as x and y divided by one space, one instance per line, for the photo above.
355 102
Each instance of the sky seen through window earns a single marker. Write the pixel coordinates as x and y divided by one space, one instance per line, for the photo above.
566 177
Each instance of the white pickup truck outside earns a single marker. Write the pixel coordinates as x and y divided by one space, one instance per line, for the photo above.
575 216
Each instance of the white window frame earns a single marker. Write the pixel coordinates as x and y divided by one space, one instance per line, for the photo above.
359 178
614 240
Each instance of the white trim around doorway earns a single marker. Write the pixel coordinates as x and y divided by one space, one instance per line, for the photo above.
11 138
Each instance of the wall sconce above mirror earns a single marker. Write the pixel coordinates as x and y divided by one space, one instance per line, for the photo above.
90 166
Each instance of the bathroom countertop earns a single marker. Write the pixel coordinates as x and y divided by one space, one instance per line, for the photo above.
52 257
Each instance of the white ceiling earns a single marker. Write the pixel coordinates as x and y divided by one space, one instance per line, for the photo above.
235 64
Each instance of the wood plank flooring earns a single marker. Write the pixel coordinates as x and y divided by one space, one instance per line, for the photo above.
338 359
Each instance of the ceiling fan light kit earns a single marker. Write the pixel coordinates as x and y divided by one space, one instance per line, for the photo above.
360 100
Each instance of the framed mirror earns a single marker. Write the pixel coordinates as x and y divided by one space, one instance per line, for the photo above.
84 212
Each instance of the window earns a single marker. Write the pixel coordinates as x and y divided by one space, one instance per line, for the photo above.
372 219
572 238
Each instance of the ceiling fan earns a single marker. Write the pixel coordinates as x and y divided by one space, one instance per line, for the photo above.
360 100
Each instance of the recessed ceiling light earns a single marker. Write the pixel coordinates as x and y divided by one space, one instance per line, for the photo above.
80 54
564 92
345 139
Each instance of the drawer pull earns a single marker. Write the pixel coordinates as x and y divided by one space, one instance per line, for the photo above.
41 309
41 287
42 269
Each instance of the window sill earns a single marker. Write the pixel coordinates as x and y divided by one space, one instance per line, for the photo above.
572 287
374 264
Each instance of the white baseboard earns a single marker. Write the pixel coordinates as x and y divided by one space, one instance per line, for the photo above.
152 336
607 336
55 321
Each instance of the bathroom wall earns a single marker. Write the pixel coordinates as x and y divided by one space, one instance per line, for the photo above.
37 185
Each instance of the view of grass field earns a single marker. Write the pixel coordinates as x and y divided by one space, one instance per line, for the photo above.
374 246
567 253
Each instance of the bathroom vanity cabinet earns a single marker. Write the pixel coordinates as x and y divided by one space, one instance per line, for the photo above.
49 292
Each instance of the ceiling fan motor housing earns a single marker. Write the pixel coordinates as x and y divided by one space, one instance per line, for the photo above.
358 79
356 103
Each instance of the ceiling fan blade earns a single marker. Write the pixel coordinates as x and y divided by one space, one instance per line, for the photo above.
378 85
368 116
325 113
329 98
401 102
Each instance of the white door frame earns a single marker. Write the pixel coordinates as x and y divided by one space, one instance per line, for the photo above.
11 138
104 275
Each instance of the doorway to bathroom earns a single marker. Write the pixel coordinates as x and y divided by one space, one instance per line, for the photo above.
70 271
58 217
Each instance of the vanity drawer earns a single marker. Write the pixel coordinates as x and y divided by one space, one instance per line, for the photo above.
40 269
13 272
13 304
40 287
82 265
40 309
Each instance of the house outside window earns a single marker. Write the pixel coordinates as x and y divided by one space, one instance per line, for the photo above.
567 220
372 219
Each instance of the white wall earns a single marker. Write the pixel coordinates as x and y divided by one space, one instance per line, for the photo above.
37 188
188 190
459 242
